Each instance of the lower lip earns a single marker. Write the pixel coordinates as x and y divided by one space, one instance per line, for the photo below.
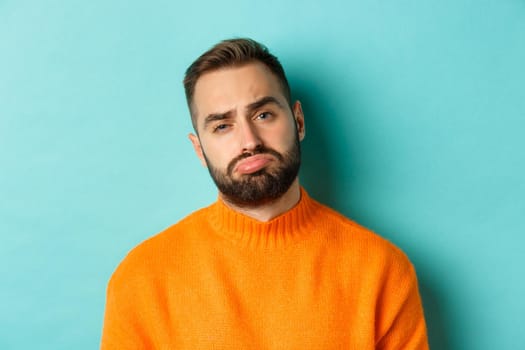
252 164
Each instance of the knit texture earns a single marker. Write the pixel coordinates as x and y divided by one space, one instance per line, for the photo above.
308 279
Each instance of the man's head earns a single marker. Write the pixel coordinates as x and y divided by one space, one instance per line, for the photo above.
247 131
232 53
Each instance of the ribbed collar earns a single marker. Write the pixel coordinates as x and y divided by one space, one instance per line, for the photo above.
282 230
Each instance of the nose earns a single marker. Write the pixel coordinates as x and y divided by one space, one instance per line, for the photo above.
250 139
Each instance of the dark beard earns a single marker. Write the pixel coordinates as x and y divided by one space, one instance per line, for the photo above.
263 186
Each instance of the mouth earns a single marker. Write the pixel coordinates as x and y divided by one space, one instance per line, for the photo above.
252 164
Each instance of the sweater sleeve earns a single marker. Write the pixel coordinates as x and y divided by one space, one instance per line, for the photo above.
400 318
121 325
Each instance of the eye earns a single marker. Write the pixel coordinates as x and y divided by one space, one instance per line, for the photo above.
220 128
263 116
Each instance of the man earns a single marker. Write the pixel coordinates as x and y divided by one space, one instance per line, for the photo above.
266 266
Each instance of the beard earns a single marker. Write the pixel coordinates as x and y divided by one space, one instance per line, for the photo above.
260 187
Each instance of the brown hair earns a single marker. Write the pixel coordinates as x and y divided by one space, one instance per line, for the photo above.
232 53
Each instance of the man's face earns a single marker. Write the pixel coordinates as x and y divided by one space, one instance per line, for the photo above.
248 136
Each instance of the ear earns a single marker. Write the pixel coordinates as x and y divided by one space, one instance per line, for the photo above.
299 119
198 148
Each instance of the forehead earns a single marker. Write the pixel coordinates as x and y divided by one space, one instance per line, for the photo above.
233 88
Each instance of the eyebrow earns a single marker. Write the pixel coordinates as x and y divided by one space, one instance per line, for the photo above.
216 116
263 101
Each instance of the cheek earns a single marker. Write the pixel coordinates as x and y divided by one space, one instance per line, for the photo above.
285 138
219 155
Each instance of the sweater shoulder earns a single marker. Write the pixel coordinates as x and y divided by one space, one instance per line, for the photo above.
349 235
156 250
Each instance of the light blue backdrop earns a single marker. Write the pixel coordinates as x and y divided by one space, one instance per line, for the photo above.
415 121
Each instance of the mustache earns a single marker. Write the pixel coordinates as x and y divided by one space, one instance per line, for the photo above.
258 150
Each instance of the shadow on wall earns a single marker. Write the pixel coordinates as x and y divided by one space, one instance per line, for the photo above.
318 168
321 175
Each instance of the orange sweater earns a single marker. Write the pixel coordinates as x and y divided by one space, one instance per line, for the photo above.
308 279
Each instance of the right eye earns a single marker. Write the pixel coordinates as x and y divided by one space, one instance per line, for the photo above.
220 127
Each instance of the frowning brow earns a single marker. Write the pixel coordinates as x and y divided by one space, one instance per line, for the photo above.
216 116
263 101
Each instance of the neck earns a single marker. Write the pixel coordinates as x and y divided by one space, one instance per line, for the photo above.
270 210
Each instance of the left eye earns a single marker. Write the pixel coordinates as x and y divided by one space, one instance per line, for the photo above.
264 115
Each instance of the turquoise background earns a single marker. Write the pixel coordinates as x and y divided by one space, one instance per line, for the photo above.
415 119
